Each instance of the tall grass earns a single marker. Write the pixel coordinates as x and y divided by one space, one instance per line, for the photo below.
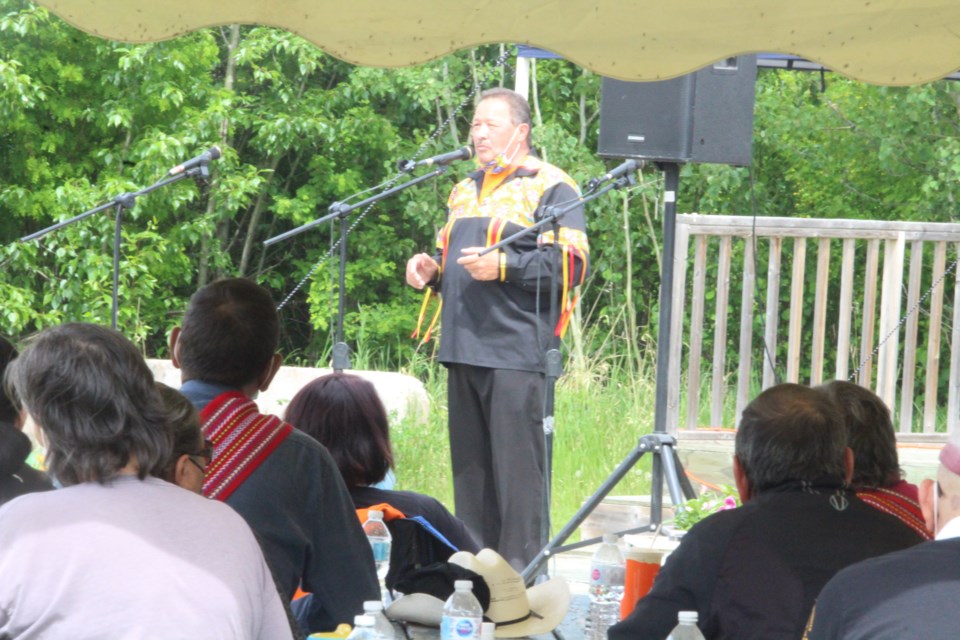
598 423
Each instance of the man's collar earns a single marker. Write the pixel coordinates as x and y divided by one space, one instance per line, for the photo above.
201 393
817 486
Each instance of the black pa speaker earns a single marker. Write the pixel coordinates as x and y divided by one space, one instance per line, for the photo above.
705 116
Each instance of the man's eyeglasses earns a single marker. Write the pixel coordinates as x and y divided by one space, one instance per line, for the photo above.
205 454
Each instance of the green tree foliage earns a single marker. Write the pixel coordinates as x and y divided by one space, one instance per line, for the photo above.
83 120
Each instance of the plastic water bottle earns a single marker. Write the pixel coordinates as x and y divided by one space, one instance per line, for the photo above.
363 629
687 628
607 572
488 631
462 614
380 540
383 626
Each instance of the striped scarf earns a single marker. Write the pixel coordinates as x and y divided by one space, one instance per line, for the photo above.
896 504
242 438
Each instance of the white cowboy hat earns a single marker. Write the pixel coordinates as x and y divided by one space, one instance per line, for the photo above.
515 610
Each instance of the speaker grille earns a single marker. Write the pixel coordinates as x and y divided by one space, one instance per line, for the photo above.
706 116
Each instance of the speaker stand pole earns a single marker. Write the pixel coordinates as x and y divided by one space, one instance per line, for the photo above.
666 466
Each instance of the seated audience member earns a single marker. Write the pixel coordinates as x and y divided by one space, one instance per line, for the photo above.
754 571
191 454
344 413
283 482
16 476
908 594
118 553
877 478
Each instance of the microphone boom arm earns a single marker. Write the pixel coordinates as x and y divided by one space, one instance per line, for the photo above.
341 209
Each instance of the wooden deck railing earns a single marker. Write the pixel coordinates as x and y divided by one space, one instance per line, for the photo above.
844 316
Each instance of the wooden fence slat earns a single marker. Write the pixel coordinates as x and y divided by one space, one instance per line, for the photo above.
952 391
771 314
746 328
932 379
820 310
717 382
846 309
910 337
696 331
867 327
888 355
681 248
796 309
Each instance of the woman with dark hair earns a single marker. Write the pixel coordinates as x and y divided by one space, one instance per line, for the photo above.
877 477
187 465
16 476
118 552
344 413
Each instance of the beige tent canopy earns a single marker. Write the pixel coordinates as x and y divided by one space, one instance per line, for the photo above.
889 42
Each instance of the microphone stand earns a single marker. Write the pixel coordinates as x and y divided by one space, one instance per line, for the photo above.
121 202
340 210
553 362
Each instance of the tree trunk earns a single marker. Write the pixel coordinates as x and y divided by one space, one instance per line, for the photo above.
221 232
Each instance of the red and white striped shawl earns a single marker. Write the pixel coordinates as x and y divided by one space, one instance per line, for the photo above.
242 438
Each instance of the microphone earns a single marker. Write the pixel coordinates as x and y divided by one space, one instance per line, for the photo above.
442 160
615 173
203 159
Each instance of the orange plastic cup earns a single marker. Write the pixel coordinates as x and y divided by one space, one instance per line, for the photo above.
642 568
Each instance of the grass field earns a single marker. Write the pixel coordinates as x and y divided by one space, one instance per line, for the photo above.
599 417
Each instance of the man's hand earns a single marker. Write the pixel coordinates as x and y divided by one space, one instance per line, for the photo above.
486 267
421 269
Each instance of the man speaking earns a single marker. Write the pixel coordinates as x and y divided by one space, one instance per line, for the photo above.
496 322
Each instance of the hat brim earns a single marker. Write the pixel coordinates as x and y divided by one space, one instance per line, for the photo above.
548 602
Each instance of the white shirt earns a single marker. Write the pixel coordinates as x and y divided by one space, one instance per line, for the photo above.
132 559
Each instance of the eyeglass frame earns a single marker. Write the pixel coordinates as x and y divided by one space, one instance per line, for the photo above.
206 453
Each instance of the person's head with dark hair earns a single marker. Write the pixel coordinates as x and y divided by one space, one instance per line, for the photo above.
790 433
15 446
93 399
344 413
191 454
9 412
229 336
870 434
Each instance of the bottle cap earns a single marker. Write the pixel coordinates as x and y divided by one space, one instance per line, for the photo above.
363 620
460 585
373 605
687 616
610 538
374 514
487 630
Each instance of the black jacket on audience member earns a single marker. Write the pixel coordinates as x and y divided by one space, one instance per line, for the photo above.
16 477
754 572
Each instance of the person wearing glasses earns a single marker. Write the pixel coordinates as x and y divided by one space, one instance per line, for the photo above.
908 594
118 552
495 322
192 454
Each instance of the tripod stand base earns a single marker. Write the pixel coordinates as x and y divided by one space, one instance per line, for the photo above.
666 468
